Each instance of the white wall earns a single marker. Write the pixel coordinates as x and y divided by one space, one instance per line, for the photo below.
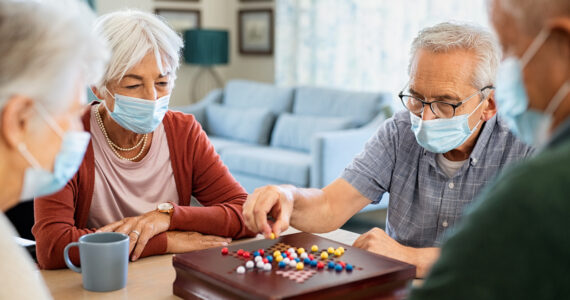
215 14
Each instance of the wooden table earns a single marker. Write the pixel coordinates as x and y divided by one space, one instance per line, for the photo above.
149 278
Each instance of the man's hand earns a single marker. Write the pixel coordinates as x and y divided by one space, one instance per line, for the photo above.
140 229
379 242
273 200
182 241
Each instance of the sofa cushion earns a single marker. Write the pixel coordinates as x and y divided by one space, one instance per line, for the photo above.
220 143
251 125
245 94
296 132
276 164
360 106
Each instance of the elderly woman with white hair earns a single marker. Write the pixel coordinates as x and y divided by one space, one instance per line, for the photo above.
43 74
144 162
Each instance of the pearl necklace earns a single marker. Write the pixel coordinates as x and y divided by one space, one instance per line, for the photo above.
115 146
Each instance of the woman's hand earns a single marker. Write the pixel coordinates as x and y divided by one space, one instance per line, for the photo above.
140 229
184 241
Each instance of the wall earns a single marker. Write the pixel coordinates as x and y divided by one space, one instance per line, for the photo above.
215 14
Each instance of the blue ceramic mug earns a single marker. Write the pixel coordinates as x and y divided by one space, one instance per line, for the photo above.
104 258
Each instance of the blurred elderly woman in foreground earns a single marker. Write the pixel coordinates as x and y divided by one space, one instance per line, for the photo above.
144 162
49 53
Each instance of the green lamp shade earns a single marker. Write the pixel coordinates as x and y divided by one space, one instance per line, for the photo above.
206 47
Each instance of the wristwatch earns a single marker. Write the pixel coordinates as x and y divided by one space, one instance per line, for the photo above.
165 208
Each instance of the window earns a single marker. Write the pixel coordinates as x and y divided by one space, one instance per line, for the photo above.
357 44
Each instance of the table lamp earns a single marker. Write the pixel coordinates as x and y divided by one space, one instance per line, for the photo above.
205 48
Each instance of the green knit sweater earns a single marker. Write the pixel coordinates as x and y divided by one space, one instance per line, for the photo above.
515 243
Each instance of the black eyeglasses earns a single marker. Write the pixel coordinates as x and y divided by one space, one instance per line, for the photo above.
441 109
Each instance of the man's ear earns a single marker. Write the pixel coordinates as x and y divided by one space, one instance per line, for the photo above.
491 107
15 120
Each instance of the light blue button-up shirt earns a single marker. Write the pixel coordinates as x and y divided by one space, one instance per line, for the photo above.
424 202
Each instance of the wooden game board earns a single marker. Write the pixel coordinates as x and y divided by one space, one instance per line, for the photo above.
207 274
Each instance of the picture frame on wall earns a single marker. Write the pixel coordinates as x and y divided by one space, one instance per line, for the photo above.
255 31
180 19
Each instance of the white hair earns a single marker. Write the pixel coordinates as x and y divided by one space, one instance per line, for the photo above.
445 37
132 35
46 47
531 14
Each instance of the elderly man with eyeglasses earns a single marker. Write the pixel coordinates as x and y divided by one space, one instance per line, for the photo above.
433 159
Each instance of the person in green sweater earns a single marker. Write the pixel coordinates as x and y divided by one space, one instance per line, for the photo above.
514 244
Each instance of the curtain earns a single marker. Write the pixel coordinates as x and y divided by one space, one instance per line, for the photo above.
361 45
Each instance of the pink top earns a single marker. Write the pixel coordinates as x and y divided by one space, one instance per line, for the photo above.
125 188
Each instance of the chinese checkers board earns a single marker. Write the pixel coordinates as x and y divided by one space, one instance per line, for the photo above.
296 266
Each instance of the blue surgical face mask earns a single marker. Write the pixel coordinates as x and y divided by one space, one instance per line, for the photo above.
443 135
530 125
139 115
41 182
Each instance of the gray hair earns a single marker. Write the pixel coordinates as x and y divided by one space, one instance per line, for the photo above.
132 35
46 48
445 37
531 14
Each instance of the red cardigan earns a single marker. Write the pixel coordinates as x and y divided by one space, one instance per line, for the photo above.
61 218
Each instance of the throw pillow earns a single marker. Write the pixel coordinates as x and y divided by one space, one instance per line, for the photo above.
296 132
252 125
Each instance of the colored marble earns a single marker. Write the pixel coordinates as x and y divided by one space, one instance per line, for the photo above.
249 264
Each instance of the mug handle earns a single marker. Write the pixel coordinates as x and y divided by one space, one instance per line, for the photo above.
66 257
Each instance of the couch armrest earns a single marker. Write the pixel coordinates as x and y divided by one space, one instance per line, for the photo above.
198 109
332 151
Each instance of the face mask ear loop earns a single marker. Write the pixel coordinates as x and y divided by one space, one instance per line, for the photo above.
28 156
534 47
558 98
476 108
42 111
112 96
105 102
476 126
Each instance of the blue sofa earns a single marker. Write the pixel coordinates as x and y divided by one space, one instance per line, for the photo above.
303 136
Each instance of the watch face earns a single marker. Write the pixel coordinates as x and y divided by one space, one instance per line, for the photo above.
165 206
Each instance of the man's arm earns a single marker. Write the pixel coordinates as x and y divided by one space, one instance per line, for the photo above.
364 180
315 210
327 209
310 210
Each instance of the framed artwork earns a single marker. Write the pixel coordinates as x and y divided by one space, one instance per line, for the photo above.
180 19
255 31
